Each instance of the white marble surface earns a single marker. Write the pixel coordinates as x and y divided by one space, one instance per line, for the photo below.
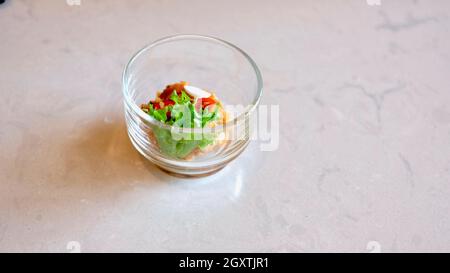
365 129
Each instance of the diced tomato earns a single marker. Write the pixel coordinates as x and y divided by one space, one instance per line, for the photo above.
156 105
168 91
168 102
208 101
204 102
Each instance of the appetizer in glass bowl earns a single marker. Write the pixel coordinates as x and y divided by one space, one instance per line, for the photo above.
185 106
190 128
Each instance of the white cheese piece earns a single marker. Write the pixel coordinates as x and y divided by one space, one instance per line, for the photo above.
196 92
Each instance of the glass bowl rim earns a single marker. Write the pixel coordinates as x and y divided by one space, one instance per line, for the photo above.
125 75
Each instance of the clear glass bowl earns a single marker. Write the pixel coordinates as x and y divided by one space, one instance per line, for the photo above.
205 62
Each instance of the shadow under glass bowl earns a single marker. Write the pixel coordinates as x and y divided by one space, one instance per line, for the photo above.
205 62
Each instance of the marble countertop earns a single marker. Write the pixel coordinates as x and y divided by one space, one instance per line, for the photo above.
363 163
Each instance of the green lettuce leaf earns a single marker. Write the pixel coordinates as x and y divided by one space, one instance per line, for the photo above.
182 114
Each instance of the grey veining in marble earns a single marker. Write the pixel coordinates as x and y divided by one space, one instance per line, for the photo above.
364 157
